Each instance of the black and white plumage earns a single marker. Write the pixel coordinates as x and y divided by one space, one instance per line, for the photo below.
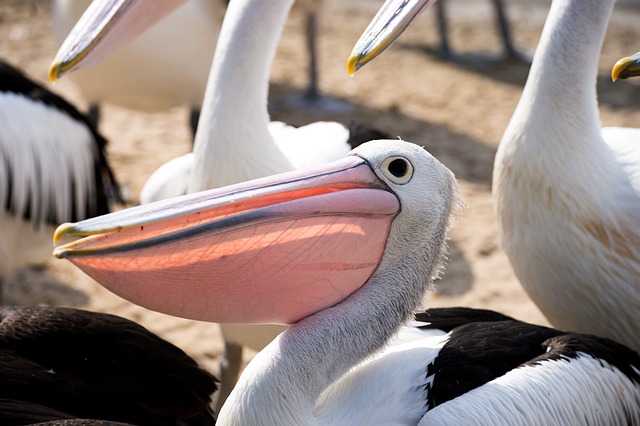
62 364
345 254
485 353
52 168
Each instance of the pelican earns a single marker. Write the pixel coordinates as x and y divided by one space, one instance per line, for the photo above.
566 192
626 67
149 74
235 140
63 363
53 169
345 253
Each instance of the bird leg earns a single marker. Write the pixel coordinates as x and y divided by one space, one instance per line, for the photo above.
194 117
229 371
510 51
443 30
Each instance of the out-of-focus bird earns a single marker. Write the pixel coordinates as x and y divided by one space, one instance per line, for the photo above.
64 364
165 67
566 192
52 169
345 254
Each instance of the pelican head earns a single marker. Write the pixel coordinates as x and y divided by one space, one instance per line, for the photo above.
276 249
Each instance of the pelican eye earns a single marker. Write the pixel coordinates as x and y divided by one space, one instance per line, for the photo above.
397 169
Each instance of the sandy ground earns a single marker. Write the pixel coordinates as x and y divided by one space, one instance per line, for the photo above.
457 111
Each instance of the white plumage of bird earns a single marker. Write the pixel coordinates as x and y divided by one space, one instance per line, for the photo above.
566 191
345 254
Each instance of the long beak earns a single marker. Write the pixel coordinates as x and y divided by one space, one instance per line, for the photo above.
391 20
273 250
106 26
626 67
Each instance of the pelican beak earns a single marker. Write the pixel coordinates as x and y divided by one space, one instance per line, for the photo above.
391 20
106 26
626 67
273 250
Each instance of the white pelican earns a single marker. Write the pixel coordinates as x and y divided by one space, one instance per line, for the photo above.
53 168
235 140
626 67
149 74
63 363
345 253
566 192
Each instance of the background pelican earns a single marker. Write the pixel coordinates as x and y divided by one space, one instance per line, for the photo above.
345 254
150 73
566 192
53 169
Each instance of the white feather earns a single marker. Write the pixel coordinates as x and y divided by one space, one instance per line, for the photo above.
581 391
48 156
45 157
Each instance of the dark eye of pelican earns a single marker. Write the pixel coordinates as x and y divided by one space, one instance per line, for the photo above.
397 169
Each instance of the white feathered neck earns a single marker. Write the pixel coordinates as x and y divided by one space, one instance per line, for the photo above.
228 150
564 197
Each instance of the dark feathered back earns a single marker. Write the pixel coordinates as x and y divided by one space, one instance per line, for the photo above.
99 366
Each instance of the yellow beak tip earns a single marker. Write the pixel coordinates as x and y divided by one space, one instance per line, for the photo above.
620 67
61 231
54 72
352 64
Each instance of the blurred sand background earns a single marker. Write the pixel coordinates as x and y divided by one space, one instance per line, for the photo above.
457 111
